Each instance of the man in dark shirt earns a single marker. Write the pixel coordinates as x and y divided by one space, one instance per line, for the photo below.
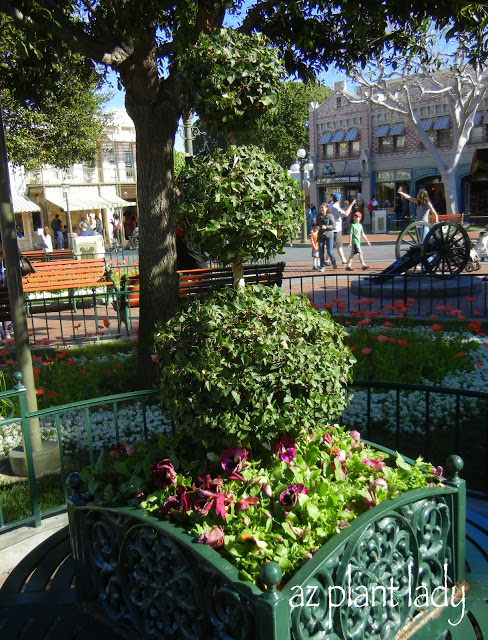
58 234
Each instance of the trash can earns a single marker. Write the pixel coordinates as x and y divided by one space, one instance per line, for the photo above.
379 221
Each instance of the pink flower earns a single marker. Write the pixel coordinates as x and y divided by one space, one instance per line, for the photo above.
382 338
377 465
231 461
366 350
436 327
214 538
289 497
285 447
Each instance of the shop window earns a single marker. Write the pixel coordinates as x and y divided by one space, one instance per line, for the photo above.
343 149
329 150
476 134
386 144
399 143
355 149
430 135
443 138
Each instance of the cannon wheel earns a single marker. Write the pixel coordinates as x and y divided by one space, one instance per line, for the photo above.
446 250
412 239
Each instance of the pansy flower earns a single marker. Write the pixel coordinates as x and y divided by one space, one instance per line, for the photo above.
285 448
180 502
246 503
371 463
214 538
231 461
163 474
289 497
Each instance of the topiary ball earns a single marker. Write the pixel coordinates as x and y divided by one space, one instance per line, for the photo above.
242 367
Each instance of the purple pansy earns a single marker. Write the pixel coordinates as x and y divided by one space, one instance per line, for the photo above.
231 461
285 448
289 497
213 537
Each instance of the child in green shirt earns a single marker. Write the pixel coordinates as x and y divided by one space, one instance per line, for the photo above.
355 242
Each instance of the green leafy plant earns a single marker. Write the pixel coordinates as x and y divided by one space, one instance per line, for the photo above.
238 205
243 366
281 508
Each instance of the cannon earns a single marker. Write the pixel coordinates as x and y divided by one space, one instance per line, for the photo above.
441 250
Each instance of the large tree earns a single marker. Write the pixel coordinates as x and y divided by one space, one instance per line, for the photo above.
145 42
53 118
279 133
404 84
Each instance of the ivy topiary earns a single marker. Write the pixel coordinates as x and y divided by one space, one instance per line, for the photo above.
238 205
244 366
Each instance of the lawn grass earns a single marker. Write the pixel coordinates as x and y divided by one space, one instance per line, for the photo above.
15 496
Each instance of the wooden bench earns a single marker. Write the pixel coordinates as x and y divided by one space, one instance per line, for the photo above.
67 274
195 283
454 218
49 256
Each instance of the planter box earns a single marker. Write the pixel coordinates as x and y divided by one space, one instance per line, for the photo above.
366 582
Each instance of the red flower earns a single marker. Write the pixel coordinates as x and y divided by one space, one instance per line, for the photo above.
70 362
371 463
246 503
436 327
382 338
39 391
366 351
285 448
163 474
52 394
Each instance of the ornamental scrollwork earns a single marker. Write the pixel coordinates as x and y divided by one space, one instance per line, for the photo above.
369 591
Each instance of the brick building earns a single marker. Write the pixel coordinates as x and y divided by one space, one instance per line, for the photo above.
365 148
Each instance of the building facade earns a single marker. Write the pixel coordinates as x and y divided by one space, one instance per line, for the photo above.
362 148
107 189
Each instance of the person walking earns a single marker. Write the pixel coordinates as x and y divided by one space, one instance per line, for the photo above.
326 224
58 235
46 240
339 214
355 241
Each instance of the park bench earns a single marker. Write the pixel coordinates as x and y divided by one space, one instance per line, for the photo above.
49 256
194 283
67 274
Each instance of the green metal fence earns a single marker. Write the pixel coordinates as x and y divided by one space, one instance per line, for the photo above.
432 443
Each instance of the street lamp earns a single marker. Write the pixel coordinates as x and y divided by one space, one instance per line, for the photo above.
301 164
71 241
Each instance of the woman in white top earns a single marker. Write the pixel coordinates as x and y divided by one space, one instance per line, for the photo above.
46 241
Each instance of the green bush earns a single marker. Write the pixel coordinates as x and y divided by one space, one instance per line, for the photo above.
243 366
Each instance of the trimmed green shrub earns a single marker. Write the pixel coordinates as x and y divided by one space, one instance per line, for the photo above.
244 366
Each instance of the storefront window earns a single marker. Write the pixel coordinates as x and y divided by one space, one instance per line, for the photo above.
329 150
476 134
444 138
399 143
385 193
343 149
386 144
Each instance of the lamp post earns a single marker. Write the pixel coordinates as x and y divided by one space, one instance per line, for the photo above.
71 241
302 164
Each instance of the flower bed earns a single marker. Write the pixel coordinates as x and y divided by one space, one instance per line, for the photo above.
155 575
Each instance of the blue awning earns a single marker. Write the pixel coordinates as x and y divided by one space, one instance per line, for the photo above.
326 137
383 130
398 129
352 135
443 122
339 136
477 119
426 124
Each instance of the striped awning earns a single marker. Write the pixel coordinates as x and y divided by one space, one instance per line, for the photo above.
398 129
326 137
443 122
426 124
352 135
339 136
383 130
23 204
478 116
84 200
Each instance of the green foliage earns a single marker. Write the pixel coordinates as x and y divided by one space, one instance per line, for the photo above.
179 163
251 510
395 355
281 132
237 205
242 367
48 120
230 78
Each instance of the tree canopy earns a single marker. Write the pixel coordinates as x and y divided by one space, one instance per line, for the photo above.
53 118
281 132
146 43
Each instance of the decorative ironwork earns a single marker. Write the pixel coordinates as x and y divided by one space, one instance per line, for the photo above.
382 576
142 575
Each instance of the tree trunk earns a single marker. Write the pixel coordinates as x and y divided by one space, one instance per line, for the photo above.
155 119
450 191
